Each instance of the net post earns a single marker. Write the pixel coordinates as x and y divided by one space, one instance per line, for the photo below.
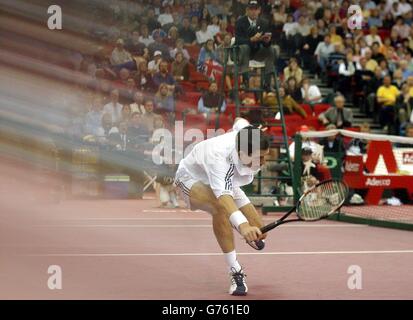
297 166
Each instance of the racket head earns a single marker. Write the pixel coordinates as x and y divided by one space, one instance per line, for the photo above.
322 200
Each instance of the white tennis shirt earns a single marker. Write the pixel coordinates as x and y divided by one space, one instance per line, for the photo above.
215 162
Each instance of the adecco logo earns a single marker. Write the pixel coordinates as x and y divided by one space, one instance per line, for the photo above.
373 182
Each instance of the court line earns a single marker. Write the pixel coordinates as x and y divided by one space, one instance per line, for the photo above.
185 226
196 254
126 219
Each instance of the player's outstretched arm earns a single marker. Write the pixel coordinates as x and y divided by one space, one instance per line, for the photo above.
237 219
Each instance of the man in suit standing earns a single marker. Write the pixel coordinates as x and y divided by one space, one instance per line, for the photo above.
253 36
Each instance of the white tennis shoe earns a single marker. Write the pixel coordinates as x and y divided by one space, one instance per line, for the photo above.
238 284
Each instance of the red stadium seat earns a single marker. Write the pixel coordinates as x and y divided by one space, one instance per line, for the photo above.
307 108
187 85
181 106
322 107
192 97
384 33
193 51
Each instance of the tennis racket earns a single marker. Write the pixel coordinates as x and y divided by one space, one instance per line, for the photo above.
315 204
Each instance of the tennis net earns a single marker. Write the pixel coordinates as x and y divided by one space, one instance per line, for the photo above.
378 170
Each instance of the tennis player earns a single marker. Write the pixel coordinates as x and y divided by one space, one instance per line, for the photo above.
210 177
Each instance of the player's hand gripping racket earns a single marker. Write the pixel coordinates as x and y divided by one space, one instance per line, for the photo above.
316 203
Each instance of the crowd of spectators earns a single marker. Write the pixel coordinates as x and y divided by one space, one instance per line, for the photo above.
150 51
150 48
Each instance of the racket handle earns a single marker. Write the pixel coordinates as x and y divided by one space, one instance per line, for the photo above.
269 227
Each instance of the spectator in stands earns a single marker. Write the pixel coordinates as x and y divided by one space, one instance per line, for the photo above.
371 63
308 50
346 71
127 91
212 101
312 172
362 75
338 115
120 57
317 149
170 40
164 76
145 37
165 17
359 146
137 132
93 118
153 65
158 45
180 68
293 70
404 106
213 27
293 90
398 80
386 97
335 38
203 35
195 26
164 101
302 30
119 139
149 116
134 45
137 105
401 28
123 77
114 108
279 15
287 38
179 47
126 113
409 131
333 143
152 22
310 92
334 60
219 37
322 52
143 77
373 37
376 54
254 39
103 130
187 33
372 87
206 53
104 88
374 19
405 70
290 106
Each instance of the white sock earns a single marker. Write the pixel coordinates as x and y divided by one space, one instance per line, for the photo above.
232 262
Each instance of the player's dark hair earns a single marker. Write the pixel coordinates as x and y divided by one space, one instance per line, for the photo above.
248 133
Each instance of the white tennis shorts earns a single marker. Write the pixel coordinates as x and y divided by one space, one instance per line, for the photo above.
184 181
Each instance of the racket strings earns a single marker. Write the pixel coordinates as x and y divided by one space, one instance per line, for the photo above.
323 200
